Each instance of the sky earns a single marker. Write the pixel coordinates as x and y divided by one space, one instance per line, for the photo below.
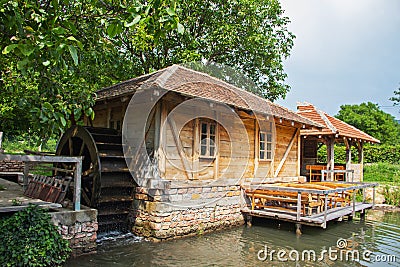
345 52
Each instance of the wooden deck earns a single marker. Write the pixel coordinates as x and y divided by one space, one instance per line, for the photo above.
313 220
309 204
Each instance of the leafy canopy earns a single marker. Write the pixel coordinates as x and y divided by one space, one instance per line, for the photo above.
369 118
57 53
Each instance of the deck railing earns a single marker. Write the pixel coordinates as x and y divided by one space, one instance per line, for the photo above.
52 159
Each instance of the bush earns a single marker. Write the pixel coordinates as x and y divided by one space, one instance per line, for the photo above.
28 238
372 154
392 195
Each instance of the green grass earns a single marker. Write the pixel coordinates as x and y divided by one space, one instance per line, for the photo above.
17 144
384 173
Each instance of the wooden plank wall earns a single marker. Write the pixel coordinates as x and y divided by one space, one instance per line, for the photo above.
228 163
231 164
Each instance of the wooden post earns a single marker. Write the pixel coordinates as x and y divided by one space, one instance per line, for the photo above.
373 197
26 173
298 229
331 156
298 205
325 211
360 153
299 155
348 157
354 204
361 159
77 185
1 141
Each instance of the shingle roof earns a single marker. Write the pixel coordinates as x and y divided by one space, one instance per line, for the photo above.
197 84
332 125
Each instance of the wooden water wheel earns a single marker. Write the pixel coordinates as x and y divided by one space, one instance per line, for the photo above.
107 184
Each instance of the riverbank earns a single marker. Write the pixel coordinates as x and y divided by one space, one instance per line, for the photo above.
387 207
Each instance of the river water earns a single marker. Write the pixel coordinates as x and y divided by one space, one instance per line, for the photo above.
374 241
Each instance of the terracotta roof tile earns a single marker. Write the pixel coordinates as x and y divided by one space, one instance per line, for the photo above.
332 124
197 84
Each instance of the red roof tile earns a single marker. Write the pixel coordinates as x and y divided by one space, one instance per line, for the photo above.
332 124
197 84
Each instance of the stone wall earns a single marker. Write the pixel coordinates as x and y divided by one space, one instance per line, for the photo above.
11 166
358 172
186 210
79 228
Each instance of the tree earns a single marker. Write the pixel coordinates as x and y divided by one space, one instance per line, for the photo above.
396 98
250 36
57 53
372 120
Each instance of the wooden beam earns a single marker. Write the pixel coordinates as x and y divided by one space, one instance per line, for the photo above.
157 128
348 153
163 138
256 147
278 169
216 162
330 155
299 155
179 147
360 153
195 152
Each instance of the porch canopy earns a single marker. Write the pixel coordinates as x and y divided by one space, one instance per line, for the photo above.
334 131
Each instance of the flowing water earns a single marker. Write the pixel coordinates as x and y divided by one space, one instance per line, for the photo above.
374 241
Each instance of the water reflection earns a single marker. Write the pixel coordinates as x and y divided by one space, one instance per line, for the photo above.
379 233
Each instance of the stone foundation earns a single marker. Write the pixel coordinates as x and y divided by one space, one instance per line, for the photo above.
186 211
79 228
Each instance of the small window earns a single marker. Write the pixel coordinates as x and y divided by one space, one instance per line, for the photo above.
265 145
208 139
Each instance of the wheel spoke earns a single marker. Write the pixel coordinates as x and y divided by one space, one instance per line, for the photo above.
70 146
82 148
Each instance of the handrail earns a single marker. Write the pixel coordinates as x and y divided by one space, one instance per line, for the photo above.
52 159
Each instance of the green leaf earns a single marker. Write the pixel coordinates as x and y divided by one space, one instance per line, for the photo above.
171 12
22 63
181 29
26 49
74 53
113 29
46 63
133 22
63 121
9 48
72 38
59 30
47 105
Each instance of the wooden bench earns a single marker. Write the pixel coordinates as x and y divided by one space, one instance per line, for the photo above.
315 172
284 200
